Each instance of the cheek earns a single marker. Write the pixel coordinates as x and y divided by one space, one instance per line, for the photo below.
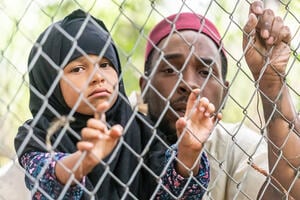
70 93
78 84
214 93
114 96
163 86
111 79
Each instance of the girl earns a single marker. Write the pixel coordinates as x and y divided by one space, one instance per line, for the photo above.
74 72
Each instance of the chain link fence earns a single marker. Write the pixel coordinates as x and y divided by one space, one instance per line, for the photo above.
129 22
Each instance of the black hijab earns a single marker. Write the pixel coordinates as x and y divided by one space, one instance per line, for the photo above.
78 34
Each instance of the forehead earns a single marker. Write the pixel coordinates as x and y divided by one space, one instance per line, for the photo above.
187 41
90 58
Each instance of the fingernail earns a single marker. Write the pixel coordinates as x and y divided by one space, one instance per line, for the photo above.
270 40
265 34
258 9
90 145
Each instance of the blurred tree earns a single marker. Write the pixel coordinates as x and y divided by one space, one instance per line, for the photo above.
129 22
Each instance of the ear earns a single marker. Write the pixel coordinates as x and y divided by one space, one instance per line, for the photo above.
226 83
142 83
225 91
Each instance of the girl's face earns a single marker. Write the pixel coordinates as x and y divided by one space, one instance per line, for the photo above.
96 81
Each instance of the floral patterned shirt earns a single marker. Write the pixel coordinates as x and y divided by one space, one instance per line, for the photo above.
41 179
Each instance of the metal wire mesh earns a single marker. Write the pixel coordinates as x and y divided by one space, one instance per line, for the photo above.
129 24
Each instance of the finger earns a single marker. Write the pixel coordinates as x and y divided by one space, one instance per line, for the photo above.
256 8
116 131
265 23
218 117
285 35
277 25
97 124
100 116
91 134
250 25
180 125
203 103
249 31
191 101
100 110
209 110
84 146
102 107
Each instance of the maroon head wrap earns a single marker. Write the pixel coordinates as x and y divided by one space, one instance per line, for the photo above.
184 21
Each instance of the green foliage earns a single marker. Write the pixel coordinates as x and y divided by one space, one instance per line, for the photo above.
129 23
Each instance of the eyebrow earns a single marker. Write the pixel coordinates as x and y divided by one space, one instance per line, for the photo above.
83 57
172 56
205 60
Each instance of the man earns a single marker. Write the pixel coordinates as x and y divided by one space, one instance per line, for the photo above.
185 52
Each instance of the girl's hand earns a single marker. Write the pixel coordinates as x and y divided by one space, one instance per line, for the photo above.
97 140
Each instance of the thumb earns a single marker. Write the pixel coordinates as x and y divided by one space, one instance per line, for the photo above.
249 28
100 110
191 101
180 125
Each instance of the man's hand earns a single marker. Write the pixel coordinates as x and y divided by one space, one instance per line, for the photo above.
193 130
266 43
195 127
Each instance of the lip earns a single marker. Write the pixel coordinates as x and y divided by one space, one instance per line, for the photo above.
99 92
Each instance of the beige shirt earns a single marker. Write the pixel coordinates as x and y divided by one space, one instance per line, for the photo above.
229 149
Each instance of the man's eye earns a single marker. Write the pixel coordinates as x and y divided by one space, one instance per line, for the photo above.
78 68
169 70
204 73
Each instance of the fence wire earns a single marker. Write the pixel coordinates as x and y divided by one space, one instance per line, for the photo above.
129 23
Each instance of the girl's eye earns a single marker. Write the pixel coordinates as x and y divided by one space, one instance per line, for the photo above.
105 65
77 69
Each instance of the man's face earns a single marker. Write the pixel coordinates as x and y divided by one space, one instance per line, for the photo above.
189 60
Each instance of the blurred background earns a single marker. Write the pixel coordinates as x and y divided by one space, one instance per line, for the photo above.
129 22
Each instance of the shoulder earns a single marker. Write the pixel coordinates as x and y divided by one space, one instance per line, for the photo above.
236 137
236 132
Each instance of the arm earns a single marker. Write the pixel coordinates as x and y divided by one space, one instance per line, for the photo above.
63 171
175 183
266 45
41 166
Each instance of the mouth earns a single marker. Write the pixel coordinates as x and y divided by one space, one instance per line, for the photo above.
100 93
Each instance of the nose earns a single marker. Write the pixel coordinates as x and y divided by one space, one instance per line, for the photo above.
98 77
188 82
